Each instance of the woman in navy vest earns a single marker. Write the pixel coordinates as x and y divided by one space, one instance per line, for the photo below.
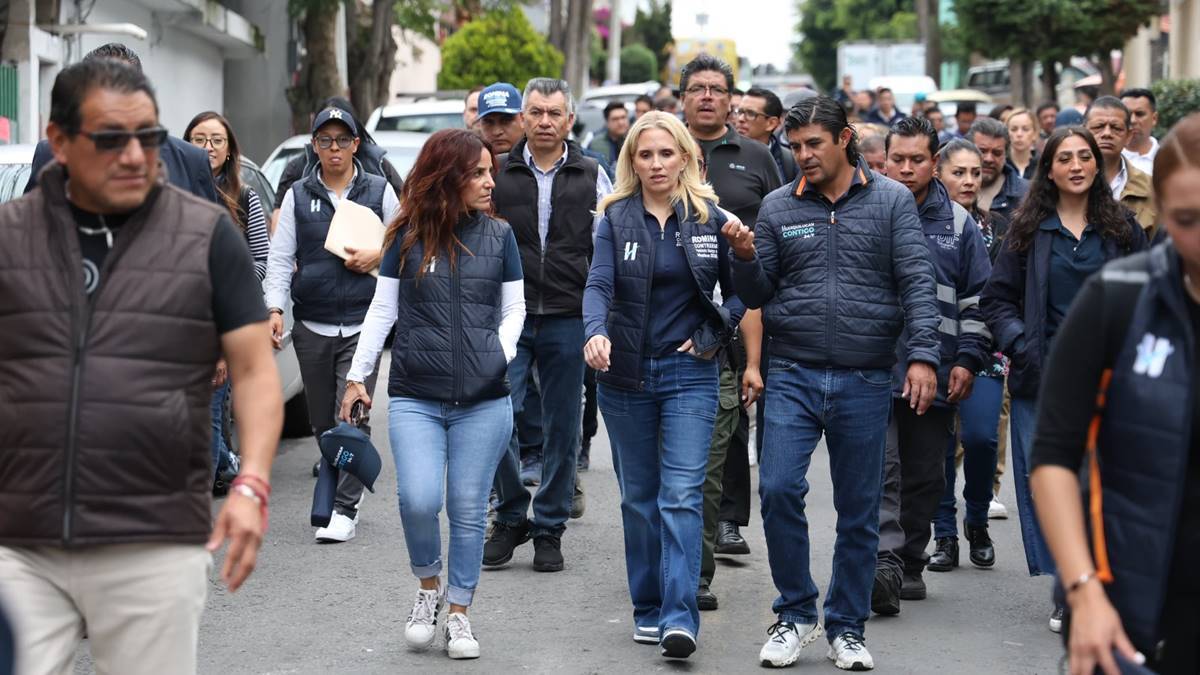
1129 575
451 283
652 330
1067 228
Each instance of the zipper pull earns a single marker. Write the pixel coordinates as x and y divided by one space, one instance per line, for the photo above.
833 217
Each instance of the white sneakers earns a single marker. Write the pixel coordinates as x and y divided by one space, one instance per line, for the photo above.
460 642
420 629
647 635
787 639
340 529
848 652
996 510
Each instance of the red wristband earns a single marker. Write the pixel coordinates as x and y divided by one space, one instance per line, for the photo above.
256 483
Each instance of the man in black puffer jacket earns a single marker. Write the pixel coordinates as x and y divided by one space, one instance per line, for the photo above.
839 265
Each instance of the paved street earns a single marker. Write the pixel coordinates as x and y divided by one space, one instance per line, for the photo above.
340 609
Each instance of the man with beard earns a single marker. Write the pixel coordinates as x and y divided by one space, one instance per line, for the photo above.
1002 188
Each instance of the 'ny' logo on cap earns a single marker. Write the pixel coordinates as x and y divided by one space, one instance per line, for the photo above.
335 114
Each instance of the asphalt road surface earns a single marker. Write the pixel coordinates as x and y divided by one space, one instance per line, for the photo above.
341 608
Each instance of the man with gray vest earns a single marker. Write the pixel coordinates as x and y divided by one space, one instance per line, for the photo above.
330 293
547 190
914 466
137 288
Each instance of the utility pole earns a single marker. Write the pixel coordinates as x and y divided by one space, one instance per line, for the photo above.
614 42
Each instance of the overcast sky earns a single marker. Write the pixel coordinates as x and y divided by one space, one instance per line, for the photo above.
763 29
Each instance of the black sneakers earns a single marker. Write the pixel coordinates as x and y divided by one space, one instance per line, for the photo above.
983 554
912 587
885 596
498 549
547 554
945 556
730 540
706 600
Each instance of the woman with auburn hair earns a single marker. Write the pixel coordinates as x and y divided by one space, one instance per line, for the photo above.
652 331
1067 228
451 283
1119 399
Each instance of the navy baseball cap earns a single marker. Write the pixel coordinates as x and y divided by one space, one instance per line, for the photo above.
500 97
335 115
1068 118
347 448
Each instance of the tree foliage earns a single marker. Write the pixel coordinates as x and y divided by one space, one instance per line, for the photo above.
498 46
652 29
1176 99
824 24
638 64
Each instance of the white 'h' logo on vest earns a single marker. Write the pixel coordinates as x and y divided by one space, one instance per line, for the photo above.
1152 355
631 250
315 206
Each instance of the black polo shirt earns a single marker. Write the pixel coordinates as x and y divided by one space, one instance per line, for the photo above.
742 171
1072 261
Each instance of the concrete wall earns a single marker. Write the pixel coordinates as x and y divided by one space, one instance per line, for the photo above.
417 64
255 89
1185 47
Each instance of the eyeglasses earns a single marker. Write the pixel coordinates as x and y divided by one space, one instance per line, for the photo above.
326 142
1098 127
217 142
111 141
748 114
702 89
555 114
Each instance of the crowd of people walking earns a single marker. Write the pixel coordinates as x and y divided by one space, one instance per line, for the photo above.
913 290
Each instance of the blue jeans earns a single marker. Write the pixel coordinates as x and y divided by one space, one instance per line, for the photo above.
555 344
852 408
1037 554
660 437
442 448
979 429
217 409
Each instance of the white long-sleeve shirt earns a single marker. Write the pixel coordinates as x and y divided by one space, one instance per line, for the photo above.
281 262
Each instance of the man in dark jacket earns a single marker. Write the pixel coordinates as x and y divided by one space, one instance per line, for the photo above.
885 111
138 288
330 293
186 165
839 265
547 190
759 117
1003 188
741 172
616 125
914 466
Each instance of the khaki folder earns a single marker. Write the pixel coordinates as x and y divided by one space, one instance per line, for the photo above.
354 226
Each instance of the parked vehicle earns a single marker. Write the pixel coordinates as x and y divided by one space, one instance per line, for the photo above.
949 99
424 117
863 62
15 161
905 88
625 93
993 78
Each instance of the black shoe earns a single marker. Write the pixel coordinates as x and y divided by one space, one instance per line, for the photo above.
885 596
945 556
912 587
705 599
730 540
498 549
547 554
578 501
317 468
678 644
584 461
983 554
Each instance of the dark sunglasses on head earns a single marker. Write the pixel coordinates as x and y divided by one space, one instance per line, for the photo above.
109 141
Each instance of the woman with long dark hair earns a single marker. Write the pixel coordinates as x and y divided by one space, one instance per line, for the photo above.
1120 400
451 283
211 132
1067 228
653 329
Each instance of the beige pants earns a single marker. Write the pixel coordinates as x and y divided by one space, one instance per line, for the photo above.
140 604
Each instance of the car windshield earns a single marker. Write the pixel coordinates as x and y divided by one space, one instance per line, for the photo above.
402 159
425 123
13 178
274 168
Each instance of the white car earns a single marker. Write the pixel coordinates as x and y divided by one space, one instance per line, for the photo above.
402 148
425 116
904 88
625 93
15 161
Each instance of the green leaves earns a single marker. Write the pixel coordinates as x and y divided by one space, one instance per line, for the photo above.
1176 99
826 23
638 64
498 46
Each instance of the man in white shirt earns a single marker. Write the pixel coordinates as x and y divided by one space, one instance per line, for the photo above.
1142 146
330 295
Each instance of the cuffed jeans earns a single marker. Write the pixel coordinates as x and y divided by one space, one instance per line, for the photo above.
451 450
913 482
660 438
217 410
979 431
555 344
851 407
1037 554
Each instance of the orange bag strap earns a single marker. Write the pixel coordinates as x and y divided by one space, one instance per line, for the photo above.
1096 497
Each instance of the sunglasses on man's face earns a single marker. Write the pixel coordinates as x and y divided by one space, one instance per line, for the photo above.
111 141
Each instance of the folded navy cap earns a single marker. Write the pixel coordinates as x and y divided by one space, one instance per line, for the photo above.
335 115
347 448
